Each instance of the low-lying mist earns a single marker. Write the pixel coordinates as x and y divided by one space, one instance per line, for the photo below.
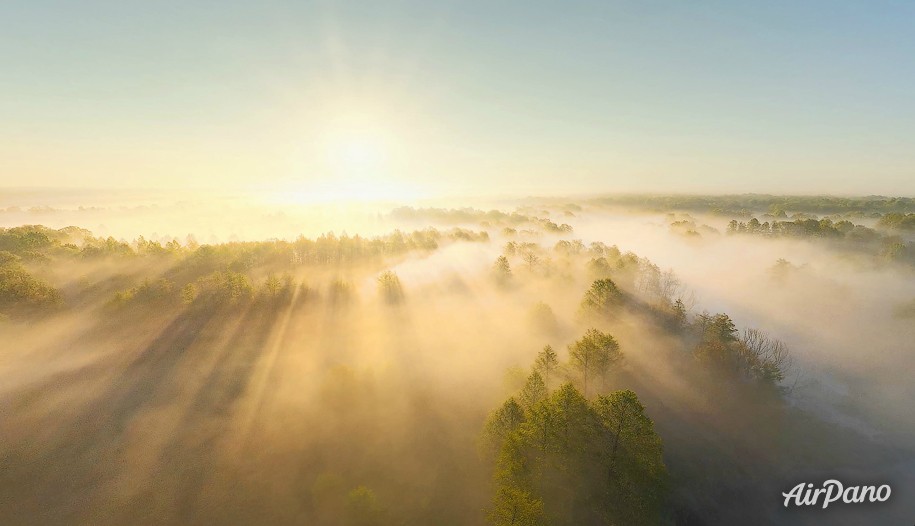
266 363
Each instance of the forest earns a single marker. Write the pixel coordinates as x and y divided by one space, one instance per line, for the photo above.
524 365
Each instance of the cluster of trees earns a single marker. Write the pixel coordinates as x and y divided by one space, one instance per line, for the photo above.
488 218
744 205
750 356
221 288
562 458
228 288
890 248
601 260
188 273
39 242
332 249
21 293
824 228
898 221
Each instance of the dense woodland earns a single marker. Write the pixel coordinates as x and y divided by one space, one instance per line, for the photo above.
315 382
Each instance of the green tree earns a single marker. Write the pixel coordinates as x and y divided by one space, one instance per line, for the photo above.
594 355
546 364
574 462
633 459
514 506
501 423
533 392
602 298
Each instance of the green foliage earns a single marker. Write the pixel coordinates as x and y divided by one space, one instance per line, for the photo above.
594 355
547 364
501 423
21 294
573 462
533 392
602 299
147 293
858 237
752 356
513 506
635 466
745 204
227 287
277 290
898 221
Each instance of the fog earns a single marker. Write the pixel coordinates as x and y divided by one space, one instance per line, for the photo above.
287 381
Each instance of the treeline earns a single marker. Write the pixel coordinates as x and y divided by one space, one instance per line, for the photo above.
745 205
824 228
192 272
898 221
568 449
885 247
483 218
21 294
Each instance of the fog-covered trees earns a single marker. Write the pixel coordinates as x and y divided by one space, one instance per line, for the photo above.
542 318
502 271
602 298
571 461
20 292
593 356
547 364
389 288
751 356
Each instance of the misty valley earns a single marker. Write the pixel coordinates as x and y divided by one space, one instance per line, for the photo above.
624 360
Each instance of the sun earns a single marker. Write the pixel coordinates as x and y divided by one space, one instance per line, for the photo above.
354 154
359 154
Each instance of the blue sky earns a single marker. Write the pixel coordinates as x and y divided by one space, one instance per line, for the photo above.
525 97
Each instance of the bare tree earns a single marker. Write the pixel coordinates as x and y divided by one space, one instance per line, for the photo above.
767 358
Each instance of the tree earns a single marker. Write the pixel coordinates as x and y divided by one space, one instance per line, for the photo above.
531 258
542 318
272 286
593 355
502 271
602 298
362 508
573 462
767 359
633 459
547 362
340 293
501 423
389 288
533 392
679 314
514 506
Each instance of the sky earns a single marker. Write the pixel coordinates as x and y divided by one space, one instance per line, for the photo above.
413 98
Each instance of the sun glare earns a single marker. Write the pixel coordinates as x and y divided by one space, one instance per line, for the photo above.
358 154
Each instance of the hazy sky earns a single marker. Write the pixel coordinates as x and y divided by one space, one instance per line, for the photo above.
399 98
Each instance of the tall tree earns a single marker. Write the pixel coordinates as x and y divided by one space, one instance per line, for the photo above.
390 288
546 364
593 355
533 392
602 298
502 271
